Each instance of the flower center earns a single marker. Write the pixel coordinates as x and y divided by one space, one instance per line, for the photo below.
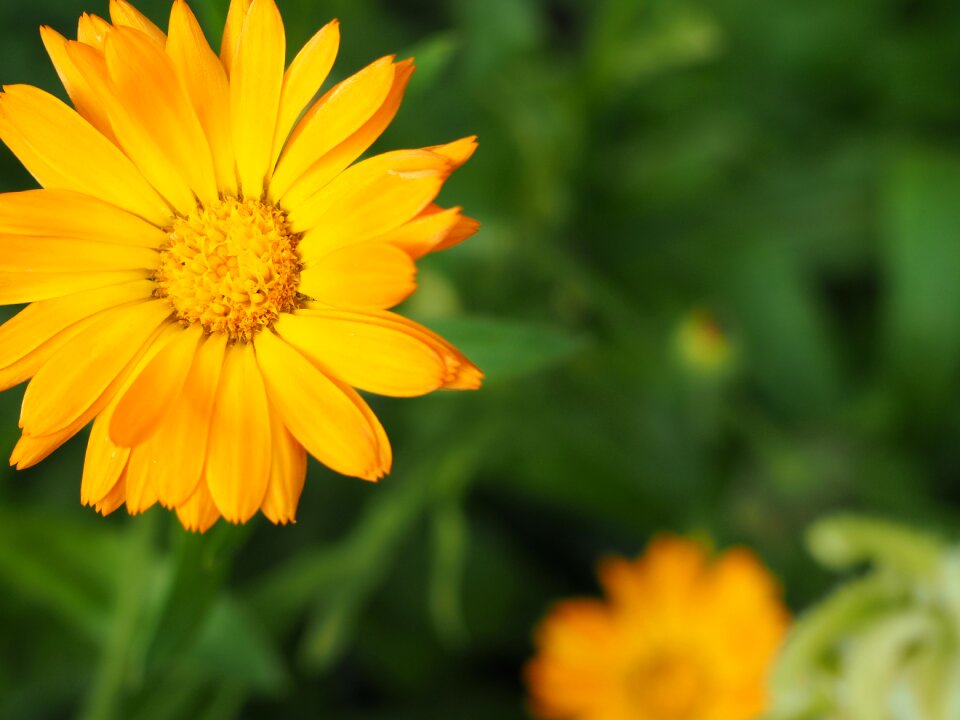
231 267
668 686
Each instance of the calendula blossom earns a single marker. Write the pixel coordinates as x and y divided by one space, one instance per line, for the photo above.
679 637
208 266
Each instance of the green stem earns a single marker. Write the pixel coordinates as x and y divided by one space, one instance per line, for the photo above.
104 701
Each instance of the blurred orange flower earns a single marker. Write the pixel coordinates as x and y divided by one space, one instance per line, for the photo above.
678 638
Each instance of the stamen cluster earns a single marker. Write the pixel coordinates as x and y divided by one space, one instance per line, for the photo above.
232 267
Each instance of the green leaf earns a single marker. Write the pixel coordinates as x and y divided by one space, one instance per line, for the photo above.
631 40
195 575
874 662
432 56
786 343
233 647
64 566
450 540
846 540
803 677
498 30
507 350
922 263
331 631
119 661
369 554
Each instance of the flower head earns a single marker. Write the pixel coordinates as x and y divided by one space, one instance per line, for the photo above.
702 345
209 268
678 638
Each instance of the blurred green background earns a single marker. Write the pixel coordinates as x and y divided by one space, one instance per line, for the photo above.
653 176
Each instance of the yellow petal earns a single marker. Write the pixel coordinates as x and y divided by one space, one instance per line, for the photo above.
199 513
78 377
114 499
370 199
74 83
374 357
146 83
287 475
30 364
256 79
424 233
148 399
363 276
141 495
58 254
92 30
34 448
25 287
124 14
31 450
384 451
333 118
186 429
205 80
327 167
105 459
136 141
41 321
231 32
103 463
238 456
330 421
303 79
461 374
63 151
466 227
459 151
65 213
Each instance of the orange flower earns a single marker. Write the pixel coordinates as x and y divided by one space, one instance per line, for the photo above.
209 271
678 638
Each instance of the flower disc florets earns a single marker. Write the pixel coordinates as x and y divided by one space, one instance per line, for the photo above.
231 267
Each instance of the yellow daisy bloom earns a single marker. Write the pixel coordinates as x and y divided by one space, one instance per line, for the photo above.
678 638
208 268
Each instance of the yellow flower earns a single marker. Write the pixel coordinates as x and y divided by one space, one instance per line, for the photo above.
209 271
678 638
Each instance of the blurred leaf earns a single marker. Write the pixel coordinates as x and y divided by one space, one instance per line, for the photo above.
369 554
195 574
839 542
508 350
432 56
801 685
875 660
331 631
633 40
232 647
171 697
883 646
212 15
122 639
450 540
922 264
497 30
227 704
66 566
785 338
280 596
